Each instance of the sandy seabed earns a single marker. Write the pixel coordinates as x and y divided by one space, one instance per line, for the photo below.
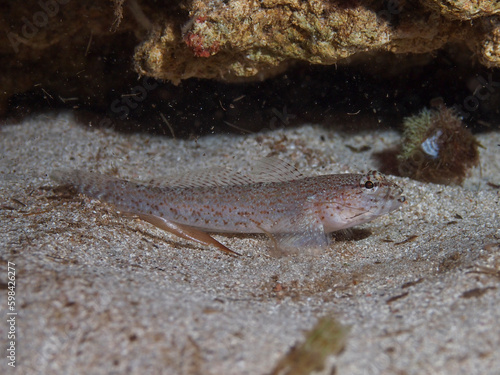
100 293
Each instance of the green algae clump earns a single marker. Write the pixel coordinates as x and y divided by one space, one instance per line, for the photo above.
437 147
328 337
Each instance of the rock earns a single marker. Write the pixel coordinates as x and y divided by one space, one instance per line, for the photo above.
256 39
87 50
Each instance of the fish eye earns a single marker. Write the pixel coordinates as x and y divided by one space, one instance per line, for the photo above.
370 182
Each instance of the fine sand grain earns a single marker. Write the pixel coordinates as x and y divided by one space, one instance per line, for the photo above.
99 293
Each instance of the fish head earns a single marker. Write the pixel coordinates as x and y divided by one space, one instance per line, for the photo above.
360 199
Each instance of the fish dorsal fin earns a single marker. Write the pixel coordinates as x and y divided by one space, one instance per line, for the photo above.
269 169
273 169
211 177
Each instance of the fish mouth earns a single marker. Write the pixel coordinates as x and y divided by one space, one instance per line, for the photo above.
397 198
398 203
392 200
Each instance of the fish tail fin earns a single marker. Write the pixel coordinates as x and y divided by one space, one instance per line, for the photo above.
96 185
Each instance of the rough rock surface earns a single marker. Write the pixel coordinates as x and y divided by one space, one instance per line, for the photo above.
256 39
79 52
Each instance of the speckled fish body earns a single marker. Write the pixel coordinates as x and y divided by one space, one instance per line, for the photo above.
297 212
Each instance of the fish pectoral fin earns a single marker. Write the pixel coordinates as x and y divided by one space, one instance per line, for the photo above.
299 242
305 235
185 232
311 241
